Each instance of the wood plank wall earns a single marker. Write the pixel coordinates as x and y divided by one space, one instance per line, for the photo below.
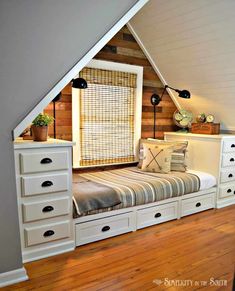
122 48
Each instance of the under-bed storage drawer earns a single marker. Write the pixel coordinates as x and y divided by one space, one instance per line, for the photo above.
46 233
34 162
91 231
45 209
33 185
157 214
197 204
228 160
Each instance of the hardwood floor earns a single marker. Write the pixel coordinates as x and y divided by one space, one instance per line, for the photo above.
196 248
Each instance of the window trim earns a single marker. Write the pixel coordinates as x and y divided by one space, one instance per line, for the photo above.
106 65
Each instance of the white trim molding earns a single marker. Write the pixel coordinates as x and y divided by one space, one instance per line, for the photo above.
77 68
156 69
13 277
106 65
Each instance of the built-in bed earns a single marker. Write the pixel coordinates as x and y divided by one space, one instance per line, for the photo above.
110 203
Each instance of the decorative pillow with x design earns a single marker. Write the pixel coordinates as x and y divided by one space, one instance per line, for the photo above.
157 158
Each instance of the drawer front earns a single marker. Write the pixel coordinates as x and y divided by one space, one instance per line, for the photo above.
42 162
227 190
158 214
103 228
34 185
197 204
229 146
45 209
228 160
227 175
46 233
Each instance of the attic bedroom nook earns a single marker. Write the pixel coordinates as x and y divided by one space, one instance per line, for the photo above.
116 173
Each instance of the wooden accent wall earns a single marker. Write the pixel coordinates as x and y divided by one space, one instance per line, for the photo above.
122 48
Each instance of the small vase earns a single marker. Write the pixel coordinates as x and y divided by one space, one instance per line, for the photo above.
39 133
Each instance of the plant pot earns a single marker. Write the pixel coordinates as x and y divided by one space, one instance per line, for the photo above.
39 133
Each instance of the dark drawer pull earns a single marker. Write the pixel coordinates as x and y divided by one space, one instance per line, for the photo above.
234 192
48 208
233 145
230 175
198 204
106 228
46 161
48 233
47 184
229 191
157 215
232 160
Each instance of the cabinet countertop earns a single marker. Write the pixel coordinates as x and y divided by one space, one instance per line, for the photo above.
19 143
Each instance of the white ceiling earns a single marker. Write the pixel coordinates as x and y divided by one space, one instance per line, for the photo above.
192 43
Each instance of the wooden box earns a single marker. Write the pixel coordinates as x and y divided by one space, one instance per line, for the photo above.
205 128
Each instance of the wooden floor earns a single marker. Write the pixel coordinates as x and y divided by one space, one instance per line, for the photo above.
197 248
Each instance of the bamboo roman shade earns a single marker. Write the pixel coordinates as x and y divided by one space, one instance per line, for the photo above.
107 117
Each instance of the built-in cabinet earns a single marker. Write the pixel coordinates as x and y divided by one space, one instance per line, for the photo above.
214 154
44 194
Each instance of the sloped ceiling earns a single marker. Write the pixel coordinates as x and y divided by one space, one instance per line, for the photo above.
192 43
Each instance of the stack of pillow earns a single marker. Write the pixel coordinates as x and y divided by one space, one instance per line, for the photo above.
162 156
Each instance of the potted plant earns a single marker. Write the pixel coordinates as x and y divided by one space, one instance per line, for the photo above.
40 127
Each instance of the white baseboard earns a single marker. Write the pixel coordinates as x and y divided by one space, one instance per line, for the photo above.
225 203
13 277
37 254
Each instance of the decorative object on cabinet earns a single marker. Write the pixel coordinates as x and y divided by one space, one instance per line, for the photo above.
156 99
205 128
40 127
210 118
183 118
201 118
44 195
214 154
79 83
56 99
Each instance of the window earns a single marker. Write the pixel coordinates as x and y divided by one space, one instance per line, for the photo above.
107 115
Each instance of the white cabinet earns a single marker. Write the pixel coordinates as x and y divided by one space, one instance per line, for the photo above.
44 194
214 154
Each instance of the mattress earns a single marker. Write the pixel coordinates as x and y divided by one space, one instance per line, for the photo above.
136 187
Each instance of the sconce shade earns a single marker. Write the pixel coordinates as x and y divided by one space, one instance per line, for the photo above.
155 99
184 94
79 83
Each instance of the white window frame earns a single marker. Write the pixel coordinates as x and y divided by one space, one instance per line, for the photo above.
106 65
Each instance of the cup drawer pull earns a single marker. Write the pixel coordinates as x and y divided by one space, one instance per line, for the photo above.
198 204
48 208
229 191
157 215
233 145
105 228
231 160
230 175
48 233
47 184
46 161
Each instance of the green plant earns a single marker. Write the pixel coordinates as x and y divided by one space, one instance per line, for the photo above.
43 120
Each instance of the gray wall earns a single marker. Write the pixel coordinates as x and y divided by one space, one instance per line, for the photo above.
39 42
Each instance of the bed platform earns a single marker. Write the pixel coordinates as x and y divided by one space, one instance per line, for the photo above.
145 199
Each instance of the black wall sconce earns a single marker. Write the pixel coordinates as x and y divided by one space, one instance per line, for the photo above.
79 83
156 99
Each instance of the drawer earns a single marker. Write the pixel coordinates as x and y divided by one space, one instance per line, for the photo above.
46 233
42 162
103 228
227 190
227 175
34 185
229 146
158 214
228 160
197 204
45 209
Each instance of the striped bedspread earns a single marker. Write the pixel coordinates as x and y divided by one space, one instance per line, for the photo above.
136 187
